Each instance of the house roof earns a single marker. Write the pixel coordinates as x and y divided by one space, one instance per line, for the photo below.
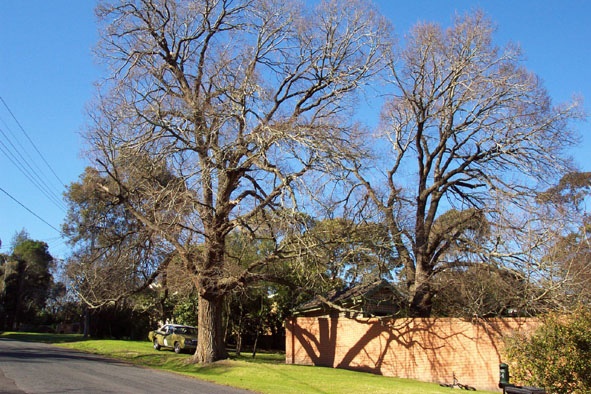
345 296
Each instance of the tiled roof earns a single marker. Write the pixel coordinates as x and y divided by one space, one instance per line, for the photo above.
342 296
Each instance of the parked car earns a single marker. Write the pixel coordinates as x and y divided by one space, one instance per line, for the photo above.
175 336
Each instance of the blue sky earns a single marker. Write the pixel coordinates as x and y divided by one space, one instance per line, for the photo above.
47 72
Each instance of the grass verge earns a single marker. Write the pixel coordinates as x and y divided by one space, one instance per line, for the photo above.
267 373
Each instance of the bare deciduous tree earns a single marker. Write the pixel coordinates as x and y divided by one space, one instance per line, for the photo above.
568 252
468 129
238 101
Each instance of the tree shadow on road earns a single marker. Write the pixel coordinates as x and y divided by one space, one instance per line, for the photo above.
42 337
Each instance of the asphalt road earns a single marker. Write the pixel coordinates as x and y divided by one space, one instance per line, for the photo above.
32 368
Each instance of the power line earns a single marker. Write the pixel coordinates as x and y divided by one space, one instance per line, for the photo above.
30 211
32 143
25 168
16 155
18 151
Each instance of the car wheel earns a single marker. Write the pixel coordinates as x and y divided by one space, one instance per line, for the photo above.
156 344
177 348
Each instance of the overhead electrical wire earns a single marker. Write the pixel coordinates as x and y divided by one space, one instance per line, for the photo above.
32 143
18 155
16 152
33 213
25 168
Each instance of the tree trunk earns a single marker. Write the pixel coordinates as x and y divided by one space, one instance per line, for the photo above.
421 295
421 302
239 333
210 340
238 343
86 322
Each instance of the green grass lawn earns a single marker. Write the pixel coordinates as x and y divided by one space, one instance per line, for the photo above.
267 373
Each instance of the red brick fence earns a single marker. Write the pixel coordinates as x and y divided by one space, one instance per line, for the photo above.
430 350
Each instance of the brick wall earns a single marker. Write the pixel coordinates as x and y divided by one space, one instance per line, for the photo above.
430 350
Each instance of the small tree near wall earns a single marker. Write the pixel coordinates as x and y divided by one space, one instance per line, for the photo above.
557 356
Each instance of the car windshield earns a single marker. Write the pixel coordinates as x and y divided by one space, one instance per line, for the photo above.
187 331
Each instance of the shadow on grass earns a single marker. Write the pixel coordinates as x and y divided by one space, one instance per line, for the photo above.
42 337
261 358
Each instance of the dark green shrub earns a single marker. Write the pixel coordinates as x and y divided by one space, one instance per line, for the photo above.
556 356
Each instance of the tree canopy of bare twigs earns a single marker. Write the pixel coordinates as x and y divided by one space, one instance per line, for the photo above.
215 114
471 132
568 254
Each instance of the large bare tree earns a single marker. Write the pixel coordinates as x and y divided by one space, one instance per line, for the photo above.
466 139
239 101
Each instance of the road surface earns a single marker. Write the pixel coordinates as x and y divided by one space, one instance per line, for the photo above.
32 368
